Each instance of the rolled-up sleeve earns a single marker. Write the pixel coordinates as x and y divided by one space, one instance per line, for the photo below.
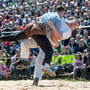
66 35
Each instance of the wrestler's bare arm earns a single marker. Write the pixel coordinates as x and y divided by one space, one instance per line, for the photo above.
54 39
57 34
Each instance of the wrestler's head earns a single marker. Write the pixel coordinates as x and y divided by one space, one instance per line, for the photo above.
74 23
61 11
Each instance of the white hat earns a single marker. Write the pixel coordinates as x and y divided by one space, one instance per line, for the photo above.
24 21
16 22
83 7
26 15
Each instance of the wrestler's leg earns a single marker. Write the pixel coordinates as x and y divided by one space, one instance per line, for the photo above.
45 45
25 45
38 65
24 54
13 36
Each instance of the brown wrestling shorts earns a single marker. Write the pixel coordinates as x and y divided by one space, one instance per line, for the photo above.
35 29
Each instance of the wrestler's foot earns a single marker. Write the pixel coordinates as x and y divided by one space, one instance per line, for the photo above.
46 69
24 65
35 82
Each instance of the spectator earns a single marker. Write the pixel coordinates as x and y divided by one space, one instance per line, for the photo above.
7 46
86 36
68 50
86 60
73 45
78 64
3 56
13 49
63 50
3 70
82 45
16 72
68 65
32 62
88 40
78 37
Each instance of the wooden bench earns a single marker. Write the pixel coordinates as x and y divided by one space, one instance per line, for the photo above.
65 74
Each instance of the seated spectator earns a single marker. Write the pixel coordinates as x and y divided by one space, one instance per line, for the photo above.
74 33
73 45
3 70
88 40
56 64
68 50
21 72
12 52
14 68
23 25
56 59
63 50
82 45
7 46
86 60
32 62
6 58
78 37
13 60
86 36
16 25
68 60
78 64
3 56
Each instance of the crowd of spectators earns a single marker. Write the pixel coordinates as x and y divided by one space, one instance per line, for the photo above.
16 14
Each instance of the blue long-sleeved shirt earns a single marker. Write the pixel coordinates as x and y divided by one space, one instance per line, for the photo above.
59 23
53 17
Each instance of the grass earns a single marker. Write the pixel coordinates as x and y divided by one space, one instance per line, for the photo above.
66 78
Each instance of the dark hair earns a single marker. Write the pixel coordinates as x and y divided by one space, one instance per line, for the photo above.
60 8
68 47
